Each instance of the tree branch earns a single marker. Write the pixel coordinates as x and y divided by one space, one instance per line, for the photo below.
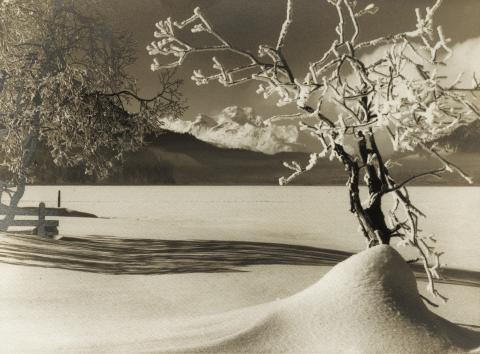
408 180
449 166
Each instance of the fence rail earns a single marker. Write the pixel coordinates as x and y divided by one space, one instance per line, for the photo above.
48 211
41 226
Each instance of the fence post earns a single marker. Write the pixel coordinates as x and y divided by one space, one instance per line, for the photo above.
41 219
59 199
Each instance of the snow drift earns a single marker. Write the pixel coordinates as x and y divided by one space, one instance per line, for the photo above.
366 304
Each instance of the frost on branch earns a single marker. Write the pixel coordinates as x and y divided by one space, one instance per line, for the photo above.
400 94
297 169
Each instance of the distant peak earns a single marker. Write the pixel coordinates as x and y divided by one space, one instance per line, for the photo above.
240 115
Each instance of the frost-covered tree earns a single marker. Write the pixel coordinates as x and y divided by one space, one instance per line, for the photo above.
401 93
64 84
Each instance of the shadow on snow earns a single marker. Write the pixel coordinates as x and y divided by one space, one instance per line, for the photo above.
114 255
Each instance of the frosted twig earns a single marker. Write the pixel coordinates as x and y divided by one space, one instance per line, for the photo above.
286 24
449 166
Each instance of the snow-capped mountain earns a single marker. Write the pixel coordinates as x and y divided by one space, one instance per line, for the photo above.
176 158
240 128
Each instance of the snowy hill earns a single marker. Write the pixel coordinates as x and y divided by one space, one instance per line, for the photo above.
366 304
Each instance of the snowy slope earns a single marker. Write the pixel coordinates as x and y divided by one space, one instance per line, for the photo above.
366 304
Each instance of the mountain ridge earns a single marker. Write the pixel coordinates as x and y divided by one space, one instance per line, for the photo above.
182 159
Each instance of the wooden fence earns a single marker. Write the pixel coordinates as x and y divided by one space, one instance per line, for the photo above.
42 227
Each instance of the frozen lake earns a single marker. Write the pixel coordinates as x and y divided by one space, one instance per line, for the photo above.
311 216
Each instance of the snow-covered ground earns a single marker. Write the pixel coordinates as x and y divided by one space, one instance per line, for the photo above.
310 216
362 306
58 310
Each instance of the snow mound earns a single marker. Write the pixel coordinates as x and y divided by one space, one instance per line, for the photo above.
366 304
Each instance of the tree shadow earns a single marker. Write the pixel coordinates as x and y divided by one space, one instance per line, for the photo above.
115 255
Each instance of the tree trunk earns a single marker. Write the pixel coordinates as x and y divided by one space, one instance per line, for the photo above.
30 146
376 183
370 217
15 199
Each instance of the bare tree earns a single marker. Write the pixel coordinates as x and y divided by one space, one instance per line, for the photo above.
400 93
64 83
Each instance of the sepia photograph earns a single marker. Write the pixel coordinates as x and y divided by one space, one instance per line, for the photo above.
239 176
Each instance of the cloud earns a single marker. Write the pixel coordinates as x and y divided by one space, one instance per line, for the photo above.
465 59
240 128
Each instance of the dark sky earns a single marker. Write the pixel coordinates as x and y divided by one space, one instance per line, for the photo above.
248 23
